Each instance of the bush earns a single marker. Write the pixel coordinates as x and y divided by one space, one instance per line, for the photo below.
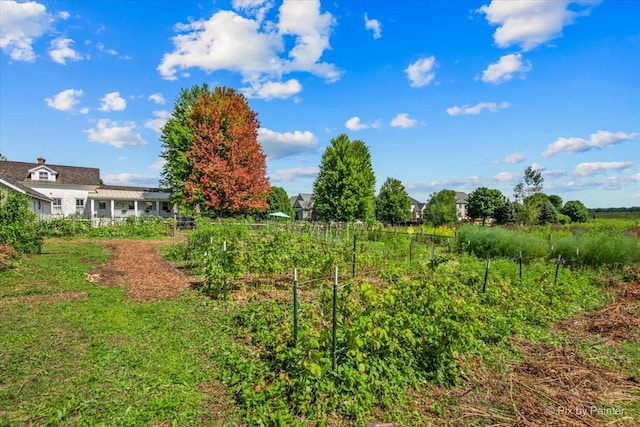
17 224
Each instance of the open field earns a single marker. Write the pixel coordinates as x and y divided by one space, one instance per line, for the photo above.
107 333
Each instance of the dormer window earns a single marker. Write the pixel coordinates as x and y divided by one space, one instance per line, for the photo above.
43 175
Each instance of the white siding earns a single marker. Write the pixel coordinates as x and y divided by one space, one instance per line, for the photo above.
68 197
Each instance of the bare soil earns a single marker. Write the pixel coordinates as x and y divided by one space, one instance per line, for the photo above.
139 265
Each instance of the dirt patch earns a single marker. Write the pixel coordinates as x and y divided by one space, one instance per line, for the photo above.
138 265
615 323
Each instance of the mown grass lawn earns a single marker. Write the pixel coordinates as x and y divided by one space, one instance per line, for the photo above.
75 353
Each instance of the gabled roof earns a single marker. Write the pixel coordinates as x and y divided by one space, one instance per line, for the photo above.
303 200
461 198
129 193
76 175
415 202
23 189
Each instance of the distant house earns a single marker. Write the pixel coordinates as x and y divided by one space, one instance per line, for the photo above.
302 205
461 205
75 190
417 209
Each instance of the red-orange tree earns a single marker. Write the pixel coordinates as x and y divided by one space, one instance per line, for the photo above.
228 176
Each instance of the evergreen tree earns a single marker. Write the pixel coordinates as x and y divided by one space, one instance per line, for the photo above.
344 189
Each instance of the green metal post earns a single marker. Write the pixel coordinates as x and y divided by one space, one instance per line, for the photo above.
520 266
486 276
555 279
295 306
335 319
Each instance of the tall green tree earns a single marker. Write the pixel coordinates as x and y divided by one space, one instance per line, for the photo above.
344 189
548 214
278 201
211 152
441 208
530 184
556 201
483 203
177 142
530 212
393 205
575 210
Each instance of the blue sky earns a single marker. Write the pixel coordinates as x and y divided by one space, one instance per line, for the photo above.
447 94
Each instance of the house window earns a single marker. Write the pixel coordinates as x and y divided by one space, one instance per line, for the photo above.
165 206
43 175
79 206
57 205
102 205
148 207
131 205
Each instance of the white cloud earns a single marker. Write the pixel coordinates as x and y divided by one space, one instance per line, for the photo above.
66 100
109 132
477 109
158 164
511 159
257 8
597 140
288 175
590 168
20 25
157 98
354 124
421 73
533 22
280 145
113 102
506 176
505 68
156 124
60 50
229 41
64 15
402 120
373 25
108 51
131 179
271 90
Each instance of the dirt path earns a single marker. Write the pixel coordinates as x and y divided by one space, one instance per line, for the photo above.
138 265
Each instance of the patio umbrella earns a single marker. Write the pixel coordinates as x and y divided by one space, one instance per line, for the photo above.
280 214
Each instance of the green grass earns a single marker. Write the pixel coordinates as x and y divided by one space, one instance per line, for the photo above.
104 360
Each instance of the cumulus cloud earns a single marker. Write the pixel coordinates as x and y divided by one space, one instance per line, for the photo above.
373 25
591 168
158 122
157 98
504 70
257 8
421 72
477 109
66 100
288 175
402 120
20 25
511 159
109 132
597 140
506 176
60 50
278 145
355 124
272 90
531 23
113 102
229 41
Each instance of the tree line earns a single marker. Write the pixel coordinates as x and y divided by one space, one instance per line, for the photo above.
213 164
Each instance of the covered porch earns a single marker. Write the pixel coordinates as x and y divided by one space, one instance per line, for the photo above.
121 203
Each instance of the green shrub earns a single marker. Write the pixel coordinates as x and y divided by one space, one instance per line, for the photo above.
17 224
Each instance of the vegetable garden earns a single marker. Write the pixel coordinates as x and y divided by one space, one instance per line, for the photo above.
344 320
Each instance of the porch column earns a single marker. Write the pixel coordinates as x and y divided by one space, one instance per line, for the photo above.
113 209
158 207
93 208
135 208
